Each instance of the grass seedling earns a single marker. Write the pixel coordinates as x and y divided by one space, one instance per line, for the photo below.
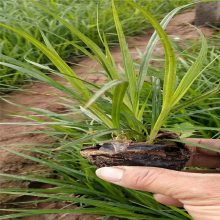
125 108
132 106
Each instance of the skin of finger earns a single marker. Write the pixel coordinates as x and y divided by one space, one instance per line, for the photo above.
202 157
186 187
201 160
167 200
215 143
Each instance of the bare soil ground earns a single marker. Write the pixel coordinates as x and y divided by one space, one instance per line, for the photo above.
40 95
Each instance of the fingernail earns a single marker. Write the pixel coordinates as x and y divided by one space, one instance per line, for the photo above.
111 174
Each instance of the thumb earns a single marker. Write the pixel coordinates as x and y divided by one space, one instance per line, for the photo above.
158 180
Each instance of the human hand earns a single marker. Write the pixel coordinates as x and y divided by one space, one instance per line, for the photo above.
198 193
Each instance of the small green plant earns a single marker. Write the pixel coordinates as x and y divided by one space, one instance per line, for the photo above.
123 102
134 104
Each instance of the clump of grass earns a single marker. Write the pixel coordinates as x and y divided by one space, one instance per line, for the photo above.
124 110
125 107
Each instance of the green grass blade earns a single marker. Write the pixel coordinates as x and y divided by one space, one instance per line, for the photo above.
199 145
127 62
105 43
143 107
96 113
193 72
103 118
198 99
41 76
151 45
101 91
83 50
117 102
94 136
170 59
109 56
89 114
156 99
47 42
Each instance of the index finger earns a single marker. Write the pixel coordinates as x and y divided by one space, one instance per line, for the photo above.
215 143
201 157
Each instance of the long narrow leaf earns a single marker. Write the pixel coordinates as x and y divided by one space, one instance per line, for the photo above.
156 99
156 106
42 77
152 43
198 98
117 101
193 73
105 43
101 91
127 62
170 59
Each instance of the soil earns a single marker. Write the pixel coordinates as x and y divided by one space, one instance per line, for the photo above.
163 153
43 96
138 154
